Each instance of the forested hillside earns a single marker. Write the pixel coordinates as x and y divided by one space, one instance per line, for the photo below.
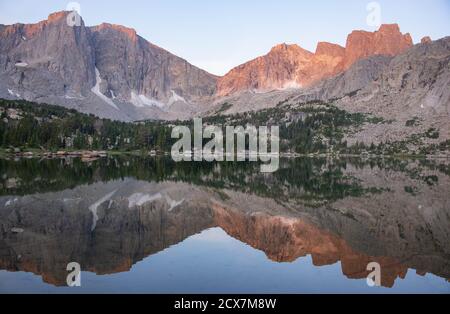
308 128
29 125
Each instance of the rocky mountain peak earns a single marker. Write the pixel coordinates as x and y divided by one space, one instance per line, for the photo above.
129 32
388 40
291 65
284 48
290 53
47 58
281 47
329 49
57 16
389 28
117 73
279 69
30 30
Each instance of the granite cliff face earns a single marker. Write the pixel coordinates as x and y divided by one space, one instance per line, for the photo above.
388 40
47 58
291 66
131 65
107 70
282 67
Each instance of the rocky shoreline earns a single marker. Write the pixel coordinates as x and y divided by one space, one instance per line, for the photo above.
83 154
90 155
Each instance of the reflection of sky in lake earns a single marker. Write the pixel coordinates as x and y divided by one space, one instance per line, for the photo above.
213 262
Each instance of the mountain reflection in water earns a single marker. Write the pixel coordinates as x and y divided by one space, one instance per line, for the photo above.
112 213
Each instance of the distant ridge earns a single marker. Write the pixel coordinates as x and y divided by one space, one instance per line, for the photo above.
292 66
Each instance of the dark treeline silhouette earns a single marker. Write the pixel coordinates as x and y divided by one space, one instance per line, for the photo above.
312 181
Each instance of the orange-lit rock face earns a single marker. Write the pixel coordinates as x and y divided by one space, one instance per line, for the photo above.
280 68
291 66
30 30
130 33
388 40
330 50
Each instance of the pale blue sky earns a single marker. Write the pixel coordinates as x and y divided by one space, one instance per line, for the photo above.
220 34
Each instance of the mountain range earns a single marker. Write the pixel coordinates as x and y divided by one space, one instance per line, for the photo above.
288 66
110 71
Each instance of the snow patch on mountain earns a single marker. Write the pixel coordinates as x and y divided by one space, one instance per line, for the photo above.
143 101
175 98
96 90
12 93
291 85
21 64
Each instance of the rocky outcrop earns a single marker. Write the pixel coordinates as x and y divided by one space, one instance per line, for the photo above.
426 40
291 66
330 50
388 40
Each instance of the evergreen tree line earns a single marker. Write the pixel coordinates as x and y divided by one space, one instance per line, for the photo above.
314 129
53 127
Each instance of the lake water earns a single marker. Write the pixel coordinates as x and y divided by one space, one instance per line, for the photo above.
149 225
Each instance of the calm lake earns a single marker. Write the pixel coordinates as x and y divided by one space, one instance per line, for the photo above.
149 225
